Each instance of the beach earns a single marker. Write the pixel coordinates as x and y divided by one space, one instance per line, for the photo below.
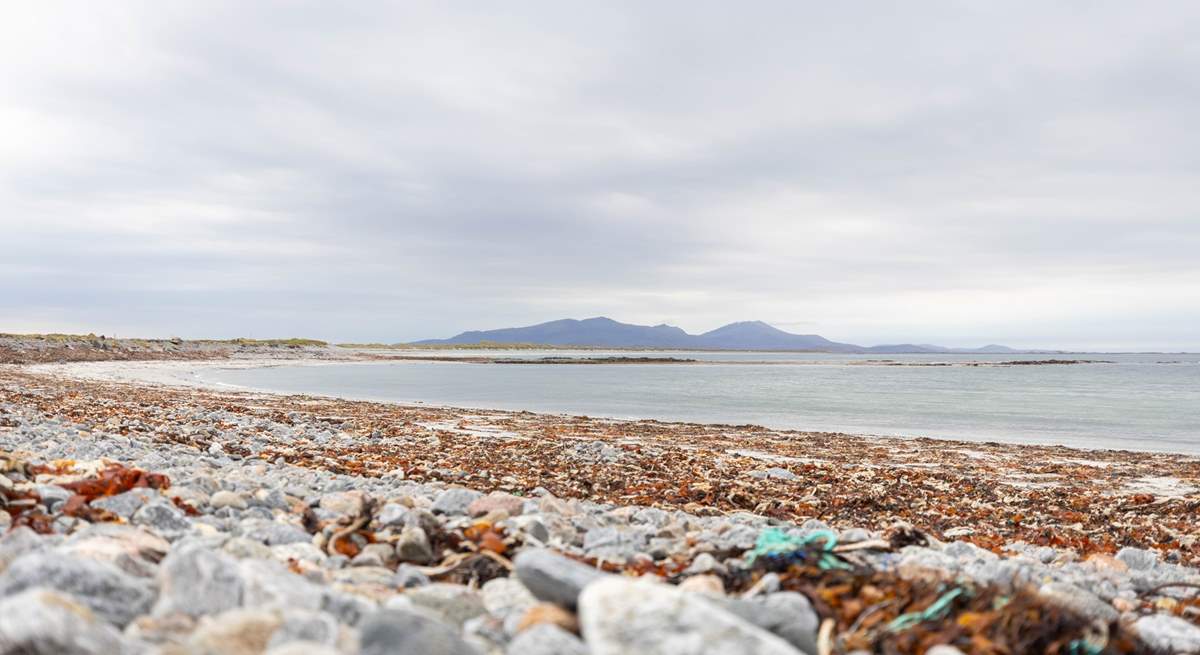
1092 537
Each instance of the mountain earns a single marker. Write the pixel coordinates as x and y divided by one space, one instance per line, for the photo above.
757 335
598 331
746 335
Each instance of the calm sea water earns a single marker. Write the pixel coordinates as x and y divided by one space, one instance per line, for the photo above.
1136 402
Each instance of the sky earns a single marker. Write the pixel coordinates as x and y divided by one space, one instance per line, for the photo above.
960 173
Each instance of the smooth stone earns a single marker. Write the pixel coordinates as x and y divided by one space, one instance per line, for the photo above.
111 593
392 515
39 620
1169 634
413 546
497 500
546 639
399 632
1138 559
125 504
343 503
243 548
554 578
164 518
503 597
375 555
408 576
223 499
236 632
787 614
454 501
197 581
272 533
1079 601
307 627
457 603
703 584
303 648
621 616
616 543
270 584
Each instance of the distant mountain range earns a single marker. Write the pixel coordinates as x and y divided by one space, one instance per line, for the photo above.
746 335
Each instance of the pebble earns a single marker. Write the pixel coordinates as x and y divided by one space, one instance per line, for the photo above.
227 499
39 620
125 504
197 581
164 518
552 577
454 603
497 500
455 501
621 616
1138 559
399 632
1169 634
413 546
546 639
112 594
1079 600
236 632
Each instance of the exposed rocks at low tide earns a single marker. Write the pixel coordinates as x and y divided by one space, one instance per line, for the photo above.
179 526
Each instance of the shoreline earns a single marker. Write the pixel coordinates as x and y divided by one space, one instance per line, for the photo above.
363 515
185 373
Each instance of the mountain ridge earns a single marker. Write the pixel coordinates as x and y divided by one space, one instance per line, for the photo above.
601 331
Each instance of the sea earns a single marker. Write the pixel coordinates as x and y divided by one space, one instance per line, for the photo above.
1145 402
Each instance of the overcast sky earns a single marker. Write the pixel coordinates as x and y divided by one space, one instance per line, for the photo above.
958 173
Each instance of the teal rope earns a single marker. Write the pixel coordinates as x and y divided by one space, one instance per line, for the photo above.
776 542
934 611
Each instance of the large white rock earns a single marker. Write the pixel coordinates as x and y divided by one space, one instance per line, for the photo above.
619 616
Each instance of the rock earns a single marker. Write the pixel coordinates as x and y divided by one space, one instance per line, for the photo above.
52 495
164 518
704 563
616 543
1138 559
408 576
5 520
787 614
456 603
375 555
546 613
503 597
343 504
497 500
307 627
455 501
399 632
126 554
17 543
197 581
546 639
1168 634
943 649
1078 600
111 593
1106 563
392 515
125 504
243 548
39 620
227 499
774 473
302 648
270 584
637 616
170 629
413 546
236 632
272 533
554 578
350 609
703 584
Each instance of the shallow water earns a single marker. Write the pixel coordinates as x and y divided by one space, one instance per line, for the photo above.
1135 402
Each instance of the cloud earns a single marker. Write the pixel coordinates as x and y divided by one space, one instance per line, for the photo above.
958 172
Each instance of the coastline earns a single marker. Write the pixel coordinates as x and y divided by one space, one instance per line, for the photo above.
1060 541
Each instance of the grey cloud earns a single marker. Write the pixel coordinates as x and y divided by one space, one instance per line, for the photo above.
387 172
